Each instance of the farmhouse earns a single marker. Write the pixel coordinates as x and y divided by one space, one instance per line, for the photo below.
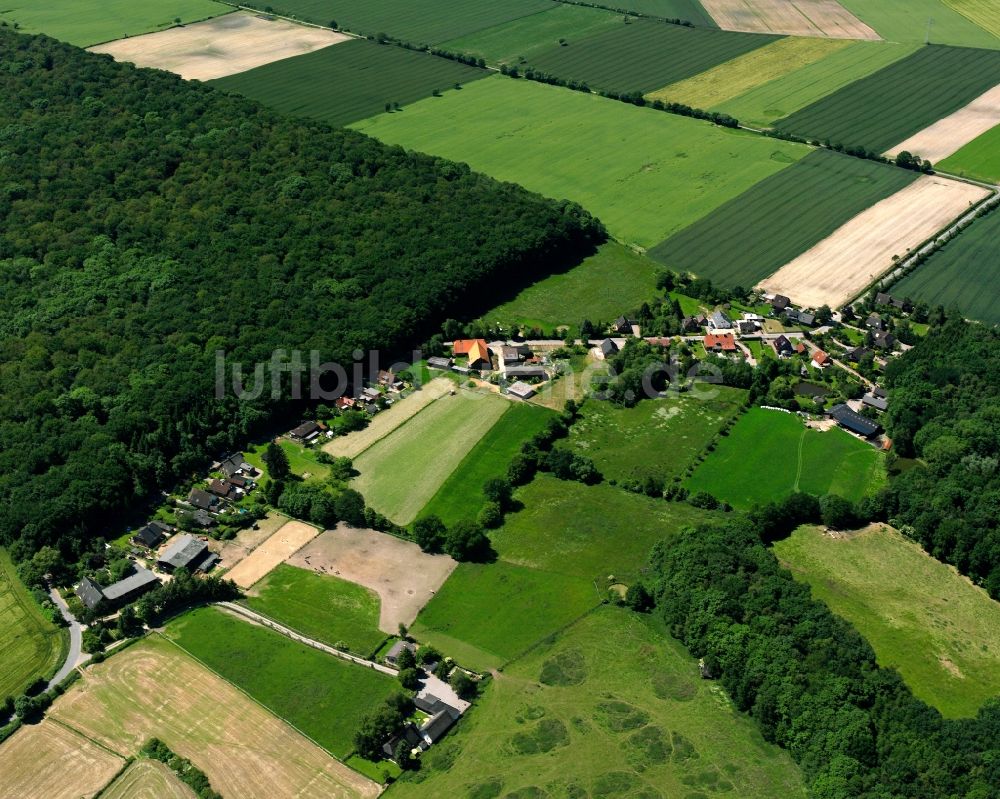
782 347
90 593
720 342
151 535
872 401
117 594
854 422
437 725
719 321
608 348
410 734
520 390
202 500
186 552
477 351
306 431
439 363
396 649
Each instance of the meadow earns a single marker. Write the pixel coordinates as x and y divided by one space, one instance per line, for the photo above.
984 13
320 606
690 10
402 472
979 159
753 235
770 454
611 707
779 97
321 695
645 173
889 106
429 22
921 617
657 54
349 81
461 496
30 645
655 438
963 273
906 21
88 22
612 281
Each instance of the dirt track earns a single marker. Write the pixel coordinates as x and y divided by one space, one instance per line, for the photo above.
221 46
840 266
797 17
276 549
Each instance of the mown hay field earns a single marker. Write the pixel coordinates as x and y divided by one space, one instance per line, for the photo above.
147 779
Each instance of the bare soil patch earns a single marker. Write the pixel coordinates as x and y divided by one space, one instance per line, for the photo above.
281 545
233 551
404 577
221 46
796 17
840 266
947 136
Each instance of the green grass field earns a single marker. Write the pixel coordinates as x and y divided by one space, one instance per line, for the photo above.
889 106
963 273
646 174
613 707
320 606
301 461
460 496
487 614
323 696
755 234
591 532
984 13
428 22
690 10
657 438
88 22
403 471
979 159
770 454
906 21
922 617
805 85
349 81
30 645
644 56
603 286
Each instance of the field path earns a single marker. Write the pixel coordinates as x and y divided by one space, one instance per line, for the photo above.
73 656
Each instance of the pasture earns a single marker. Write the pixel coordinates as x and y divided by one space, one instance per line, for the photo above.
400 473
921 616
644 55
906 21
87 22
979 159
646 174
461 496
948 135
349 82
690 10
826 18
843 264
772 223
487 614
147 779
769 454
321 695
885 108
656 437
963 273
320 606
154 689
221 46
282 544
611 707
429 22
31 647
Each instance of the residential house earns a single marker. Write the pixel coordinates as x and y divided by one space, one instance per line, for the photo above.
885 341
370 394
437 725
878 391
237 464
239 481
807 318
800 348
719 321
346 403
791 315
820 359
90 593
878 403
520 390
875 322
222 489
151 535
185 552
720 342
306 431
779 303
410 734
202 500
394 651
608 348
622 326
753 317
782 347
883 299
689 324
389 380
853 422
745 327
858 354
508 355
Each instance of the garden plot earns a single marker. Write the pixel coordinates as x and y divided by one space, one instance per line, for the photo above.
796 17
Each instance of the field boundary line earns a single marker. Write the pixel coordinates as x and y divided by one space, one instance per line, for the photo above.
259 12
168 28
86 737
798 471
552 635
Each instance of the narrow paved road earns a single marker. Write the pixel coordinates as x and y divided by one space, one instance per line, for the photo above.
75 655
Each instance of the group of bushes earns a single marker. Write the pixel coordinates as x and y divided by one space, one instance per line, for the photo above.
187 772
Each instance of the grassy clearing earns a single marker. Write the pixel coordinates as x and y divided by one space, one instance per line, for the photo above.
400 473
87 22
147 779
979 159
486 614
460 496
752 236
769 454
780 97
301 461
891 105
906 21
603 286
589 532
922 617
748 71
984 13
646 174
349 81
613 707
321 695
963 273
658 54
320 606
30 645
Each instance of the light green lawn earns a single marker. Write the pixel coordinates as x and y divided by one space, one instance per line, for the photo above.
301 460
906 21
979 159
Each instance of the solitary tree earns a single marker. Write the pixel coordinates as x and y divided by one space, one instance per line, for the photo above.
276 461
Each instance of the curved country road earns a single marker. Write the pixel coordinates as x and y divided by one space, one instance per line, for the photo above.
73 657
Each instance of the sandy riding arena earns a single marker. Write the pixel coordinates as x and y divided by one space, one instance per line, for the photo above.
404 577
796 17
221 46
246 541
949 135
841 265
276 549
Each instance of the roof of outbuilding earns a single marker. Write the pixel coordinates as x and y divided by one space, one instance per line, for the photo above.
139 578
183 552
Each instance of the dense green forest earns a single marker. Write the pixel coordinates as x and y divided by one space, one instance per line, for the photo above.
146 222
